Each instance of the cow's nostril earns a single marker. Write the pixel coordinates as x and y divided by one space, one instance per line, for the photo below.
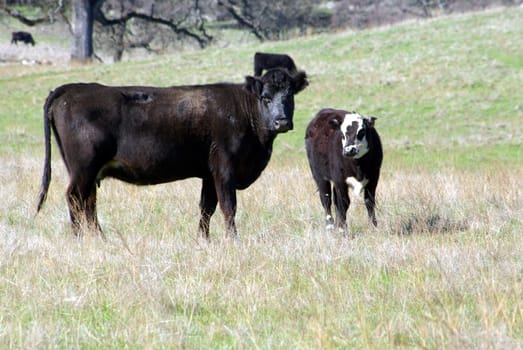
282 125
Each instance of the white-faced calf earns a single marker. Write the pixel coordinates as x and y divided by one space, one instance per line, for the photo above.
344 151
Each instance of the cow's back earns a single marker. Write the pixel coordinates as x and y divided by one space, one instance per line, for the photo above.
140 131
166 112
321 141
77 108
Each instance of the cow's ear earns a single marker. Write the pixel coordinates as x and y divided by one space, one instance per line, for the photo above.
372 120
334 123
300 81
254 85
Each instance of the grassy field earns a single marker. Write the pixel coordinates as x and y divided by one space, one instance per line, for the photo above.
443 270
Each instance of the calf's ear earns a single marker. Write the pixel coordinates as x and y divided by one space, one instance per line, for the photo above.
334 123
254 85
299 81
371 121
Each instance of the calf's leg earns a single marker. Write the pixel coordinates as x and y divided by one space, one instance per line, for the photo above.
342 202
325 191
370 203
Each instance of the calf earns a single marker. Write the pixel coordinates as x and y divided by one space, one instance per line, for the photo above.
344 149
222 133
22 36
264 61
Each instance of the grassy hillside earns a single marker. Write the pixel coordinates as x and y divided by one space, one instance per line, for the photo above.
444 269
435 85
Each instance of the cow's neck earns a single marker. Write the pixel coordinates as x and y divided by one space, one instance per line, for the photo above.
363 163
265 136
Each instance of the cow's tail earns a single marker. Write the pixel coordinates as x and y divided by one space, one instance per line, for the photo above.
46 178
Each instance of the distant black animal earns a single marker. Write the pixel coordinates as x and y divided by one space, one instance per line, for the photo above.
22 36
263 61
222 133
344 148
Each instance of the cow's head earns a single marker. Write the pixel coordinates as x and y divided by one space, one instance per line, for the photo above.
354 130
275 92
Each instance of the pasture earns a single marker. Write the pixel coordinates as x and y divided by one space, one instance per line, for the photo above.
443 269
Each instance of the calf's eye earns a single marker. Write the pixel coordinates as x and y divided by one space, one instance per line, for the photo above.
361 134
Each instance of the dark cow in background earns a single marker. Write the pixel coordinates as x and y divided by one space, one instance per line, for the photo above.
344 149
22 36
264 61
222 133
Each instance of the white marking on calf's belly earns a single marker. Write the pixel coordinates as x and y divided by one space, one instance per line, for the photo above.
357 186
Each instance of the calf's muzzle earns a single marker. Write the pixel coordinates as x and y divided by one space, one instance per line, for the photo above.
350 151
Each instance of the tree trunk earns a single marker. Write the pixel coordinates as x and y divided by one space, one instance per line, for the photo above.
82 48
119 42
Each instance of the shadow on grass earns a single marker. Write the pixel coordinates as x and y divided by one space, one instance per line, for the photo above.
428 223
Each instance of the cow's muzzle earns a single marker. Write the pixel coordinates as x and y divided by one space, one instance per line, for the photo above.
350 151
283 125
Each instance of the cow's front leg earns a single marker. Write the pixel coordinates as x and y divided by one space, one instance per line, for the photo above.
222 170
208 202
227 199
226 192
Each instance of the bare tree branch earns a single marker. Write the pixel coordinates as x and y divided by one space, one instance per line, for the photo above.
236 12
31 22
203 40
273 19
25 20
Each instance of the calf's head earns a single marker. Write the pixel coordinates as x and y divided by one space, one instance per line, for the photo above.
275 92
354 130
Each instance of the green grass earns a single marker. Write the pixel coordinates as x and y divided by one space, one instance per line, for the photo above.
444 269
425 81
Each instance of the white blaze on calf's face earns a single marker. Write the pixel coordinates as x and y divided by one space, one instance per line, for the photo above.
354 143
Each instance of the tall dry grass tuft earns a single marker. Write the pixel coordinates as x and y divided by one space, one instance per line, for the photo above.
450 201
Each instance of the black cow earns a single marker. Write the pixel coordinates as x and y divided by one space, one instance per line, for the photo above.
344 149
222 133
264 61
22 36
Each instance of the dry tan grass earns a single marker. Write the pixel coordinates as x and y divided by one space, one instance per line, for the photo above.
444 268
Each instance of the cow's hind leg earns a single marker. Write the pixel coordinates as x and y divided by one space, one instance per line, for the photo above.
325 191
208 203
81 198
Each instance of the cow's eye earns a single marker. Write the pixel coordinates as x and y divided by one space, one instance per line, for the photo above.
266 99
361 134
